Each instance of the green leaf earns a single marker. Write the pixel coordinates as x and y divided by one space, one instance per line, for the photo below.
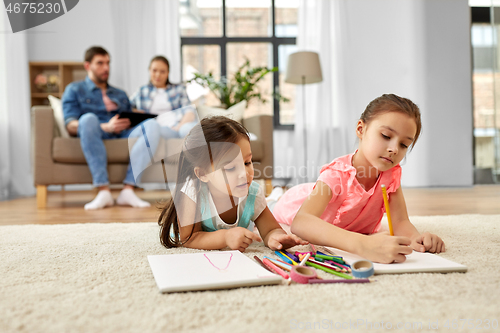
243 85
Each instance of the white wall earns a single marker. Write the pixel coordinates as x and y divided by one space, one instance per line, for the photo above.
448 96
69 36
420 50
147 28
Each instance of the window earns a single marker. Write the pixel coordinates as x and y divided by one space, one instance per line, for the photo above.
217 36
486 93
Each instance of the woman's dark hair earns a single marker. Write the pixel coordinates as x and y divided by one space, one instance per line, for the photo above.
393 103
195 154
165 61
93 51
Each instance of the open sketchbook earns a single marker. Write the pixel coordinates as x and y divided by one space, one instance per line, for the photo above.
209 270
417 262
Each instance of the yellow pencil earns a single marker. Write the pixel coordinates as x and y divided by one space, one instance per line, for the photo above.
293 261
386 202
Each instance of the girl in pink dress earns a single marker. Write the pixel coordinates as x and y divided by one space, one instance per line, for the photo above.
343 209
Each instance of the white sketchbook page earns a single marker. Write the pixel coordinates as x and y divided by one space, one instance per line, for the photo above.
417 262
216 270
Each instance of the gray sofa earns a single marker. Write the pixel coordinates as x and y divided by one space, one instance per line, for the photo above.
60 161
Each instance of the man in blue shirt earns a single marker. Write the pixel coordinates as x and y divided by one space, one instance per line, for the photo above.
91 109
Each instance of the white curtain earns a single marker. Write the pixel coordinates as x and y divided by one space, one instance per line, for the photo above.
142 30
416 49
330 133
15 166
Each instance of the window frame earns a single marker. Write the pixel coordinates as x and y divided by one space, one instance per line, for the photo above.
224 40
480 15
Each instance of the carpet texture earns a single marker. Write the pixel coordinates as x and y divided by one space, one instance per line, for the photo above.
96 278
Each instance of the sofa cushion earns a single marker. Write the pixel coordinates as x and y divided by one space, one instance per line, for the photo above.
56 105
68 150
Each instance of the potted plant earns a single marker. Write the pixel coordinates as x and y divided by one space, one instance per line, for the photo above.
241 87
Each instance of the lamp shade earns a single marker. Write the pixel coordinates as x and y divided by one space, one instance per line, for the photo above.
303 68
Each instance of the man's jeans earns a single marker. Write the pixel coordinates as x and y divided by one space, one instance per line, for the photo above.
148 133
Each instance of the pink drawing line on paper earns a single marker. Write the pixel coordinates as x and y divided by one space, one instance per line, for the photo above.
220 269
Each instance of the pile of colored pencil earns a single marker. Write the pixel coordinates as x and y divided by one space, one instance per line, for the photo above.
326 262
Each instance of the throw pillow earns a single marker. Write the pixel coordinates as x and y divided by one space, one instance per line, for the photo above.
253 137
56 105
235 112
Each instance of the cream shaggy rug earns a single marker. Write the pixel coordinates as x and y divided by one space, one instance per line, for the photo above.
96 278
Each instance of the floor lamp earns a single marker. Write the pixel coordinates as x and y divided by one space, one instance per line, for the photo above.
304 68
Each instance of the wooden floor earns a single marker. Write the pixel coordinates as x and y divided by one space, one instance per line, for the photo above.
67 206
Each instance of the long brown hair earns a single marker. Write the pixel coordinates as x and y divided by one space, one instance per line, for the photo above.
195 154
393 103
165 61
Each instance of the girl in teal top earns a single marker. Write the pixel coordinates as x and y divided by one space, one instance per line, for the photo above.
215 203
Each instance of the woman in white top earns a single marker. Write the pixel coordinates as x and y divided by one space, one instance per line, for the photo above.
168 100
176 115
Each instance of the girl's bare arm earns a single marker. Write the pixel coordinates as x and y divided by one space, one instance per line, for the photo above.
273 235
403 227
308 225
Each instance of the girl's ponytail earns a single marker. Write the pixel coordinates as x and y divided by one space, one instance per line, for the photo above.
168 219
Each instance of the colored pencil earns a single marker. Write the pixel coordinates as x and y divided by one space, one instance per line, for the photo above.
328 270
335 268
387 210
331 255
331 258
275 268
336 264
347 265
262 264
291 256
280 264
285 257
281 261
339 281
313 248
282 256
347 269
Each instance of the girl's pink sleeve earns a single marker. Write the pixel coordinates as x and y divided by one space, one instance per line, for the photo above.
395 179
334 180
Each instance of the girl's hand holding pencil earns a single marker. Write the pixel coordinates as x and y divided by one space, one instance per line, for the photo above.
419 242
384 248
